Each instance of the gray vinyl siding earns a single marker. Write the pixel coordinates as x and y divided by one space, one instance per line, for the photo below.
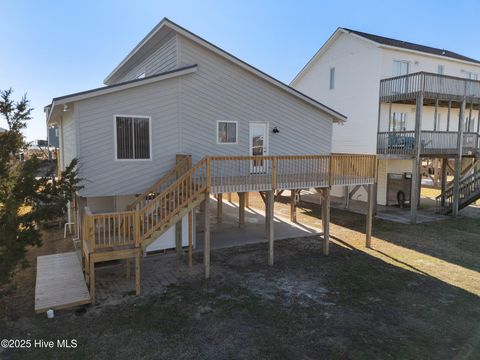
104 175
220 90
184 113
162 59
68 135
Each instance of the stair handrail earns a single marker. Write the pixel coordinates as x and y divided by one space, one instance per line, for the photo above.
158 211
464 185
157 186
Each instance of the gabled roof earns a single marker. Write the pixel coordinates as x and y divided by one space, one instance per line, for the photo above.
412 46
118 87
383 42
166 23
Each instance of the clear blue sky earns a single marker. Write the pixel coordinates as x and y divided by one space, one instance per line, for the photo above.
53 48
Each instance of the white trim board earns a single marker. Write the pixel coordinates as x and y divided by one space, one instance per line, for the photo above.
110 89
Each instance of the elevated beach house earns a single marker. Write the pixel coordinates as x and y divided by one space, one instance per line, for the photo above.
180 120
409 103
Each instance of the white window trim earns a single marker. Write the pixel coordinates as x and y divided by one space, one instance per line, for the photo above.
115 137
216 132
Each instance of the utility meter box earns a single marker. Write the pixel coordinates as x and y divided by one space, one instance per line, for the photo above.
399 188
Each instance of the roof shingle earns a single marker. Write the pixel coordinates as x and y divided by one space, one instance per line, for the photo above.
411 46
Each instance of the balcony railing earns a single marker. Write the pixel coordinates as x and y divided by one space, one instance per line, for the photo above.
442 87
431 143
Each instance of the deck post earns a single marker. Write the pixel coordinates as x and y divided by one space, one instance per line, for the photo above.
346 197
178 237
326 220
416 173
229 197
470 122
375 188
368 240
247 200
293 206
137 274
448 114
206 239
127 262
241 209
270 224
190 238
219 207
443 181
390 117
458 161
91 263
202 210
92 280
478 125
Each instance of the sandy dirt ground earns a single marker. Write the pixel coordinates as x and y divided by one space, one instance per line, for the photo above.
414 295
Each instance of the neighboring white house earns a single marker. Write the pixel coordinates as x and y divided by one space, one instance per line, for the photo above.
176 93
346 73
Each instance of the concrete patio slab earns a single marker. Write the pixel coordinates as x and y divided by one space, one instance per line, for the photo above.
228 233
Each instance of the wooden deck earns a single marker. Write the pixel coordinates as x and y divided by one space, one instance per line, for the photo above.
60 283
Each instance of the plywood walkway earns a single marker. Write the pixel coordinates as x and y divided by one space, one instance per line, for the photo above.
60 283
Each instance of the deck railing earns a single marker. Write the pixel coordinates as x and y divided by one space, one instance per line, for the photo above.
352 169
431 142
436 86
161 184
109 230
221 174
174 198
396 142
469 185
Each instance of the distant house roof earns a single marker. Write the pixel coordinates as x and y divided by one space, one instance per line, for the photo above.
383 42
2 130
412 46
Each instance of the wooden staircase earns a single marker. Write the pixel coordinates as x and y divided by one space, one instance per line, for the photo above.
469 192
176 201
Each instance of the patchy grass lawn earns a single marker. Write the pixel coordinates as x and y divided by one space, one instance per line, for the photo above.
414 295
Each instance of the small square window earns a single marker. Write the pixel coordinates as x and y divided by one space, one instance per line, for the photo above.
226 132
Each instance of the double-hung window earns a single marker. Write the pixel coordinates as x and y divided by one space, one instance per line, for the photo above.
227 132
400 67
132 135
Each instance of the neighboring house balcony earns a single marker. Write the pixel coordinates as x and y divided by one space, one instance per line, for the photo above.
432 143
454 100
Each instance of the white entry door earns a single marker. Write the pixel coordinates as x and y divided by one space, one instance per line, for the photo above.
258 145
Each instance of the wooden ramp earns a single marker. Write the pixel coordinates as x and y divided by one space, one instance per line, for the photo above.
60 282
